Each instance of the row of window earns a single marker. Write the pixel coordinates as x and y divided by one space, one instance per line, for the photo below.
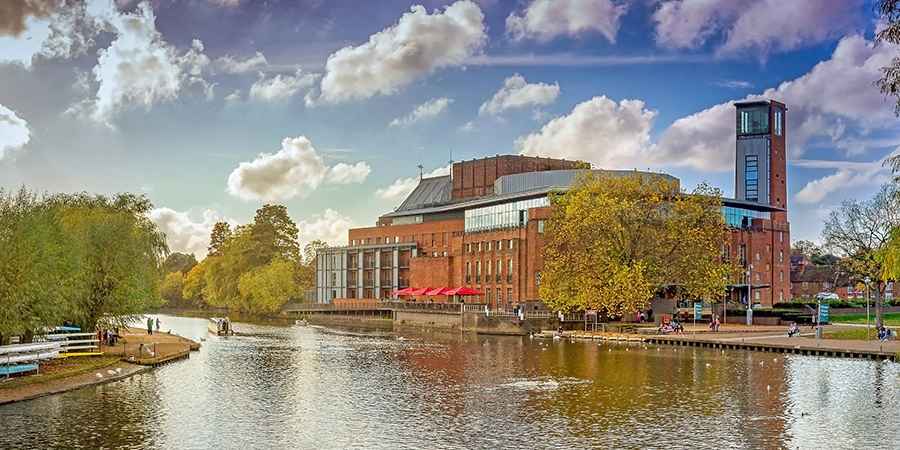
489 267
756 121
442 238
487 246
740 217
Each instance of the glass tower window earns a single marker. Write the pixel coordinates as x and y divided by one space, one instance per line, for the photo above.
753 120
779 122
740 217
751 178
505 215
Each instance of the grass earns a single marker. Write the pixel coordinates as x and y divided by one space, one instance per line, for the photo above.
890 319
855 334
61 368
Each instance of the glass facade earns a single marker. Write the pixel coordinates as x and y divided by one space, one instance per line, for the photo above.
506 215
753 120
751 178
734 217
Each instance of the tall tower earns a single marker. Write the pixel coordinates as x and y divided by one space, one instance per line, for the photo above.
761 164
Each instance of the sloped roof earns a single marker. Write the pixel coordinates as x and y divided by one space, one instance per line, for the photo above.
430 192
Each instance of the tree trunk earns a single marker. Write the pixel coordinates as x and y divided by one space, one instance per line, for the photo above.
878 289
28 337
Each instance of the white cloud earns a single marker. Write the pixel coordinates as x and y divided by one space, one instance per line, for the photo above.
848 175
139 67
44 28
330 227
517 93
763 26
295 170
426 111
544 20
601 131
467 127
417 45
183 234
343 173
402 187
234 96
281 87
230 64
226 3
735 84
14 131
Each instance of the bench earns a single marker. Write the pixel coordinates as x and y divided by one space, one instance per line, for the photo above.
76 341
21 358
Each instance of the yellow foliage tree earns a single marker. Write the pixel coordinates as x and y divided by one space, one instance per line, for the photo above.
613 242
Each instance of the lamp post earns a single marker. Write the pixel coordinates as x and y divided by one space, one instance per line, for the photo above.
867 280
749 297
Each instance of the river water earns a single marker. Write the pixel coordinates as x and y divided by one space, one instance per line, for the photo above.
313 388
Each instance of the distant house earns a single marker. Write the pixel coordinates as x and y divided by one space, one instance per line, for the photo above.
808 280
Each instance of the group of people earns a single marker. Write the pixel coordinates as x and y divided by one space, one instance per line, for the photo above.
108 337
793 329
714 323
884 333
150 325
671 326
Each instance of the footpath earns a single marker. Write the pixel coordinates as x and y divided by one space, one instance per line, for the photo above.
756 338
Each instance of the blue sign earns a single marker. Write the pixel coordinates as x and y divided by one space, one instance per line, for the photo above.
823 312
698 311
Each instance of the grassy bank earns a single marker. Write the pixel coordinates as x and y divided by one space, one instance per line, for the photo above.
61 368
890 319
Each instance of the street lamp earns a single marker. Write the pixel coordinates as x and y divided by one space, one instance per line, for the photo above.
867 280
749 297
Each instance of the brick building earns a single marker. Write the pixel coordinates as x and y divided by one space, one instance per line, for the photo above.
482 226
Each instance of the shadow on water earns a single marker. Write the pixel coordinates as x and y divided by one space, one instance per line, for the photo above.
313 387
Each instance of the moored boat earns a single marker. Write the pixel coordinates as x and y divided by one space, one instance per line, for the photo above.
220 326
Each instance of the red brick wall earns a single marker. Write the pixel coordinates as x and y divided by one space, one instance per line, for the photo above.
768 250
476 178
778 165
431 272
430 237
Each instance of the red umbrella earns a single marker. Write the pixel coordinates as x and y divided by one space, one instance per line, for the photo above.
463 291
419 291
439 291
403 292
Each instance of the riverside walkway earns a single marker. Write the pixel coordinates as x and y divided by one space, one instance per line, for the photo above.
758 338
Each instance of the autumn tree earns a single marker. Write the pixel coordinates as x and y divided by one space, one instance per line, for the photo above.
859 231
179 262
220 233
613 242
172 288
307 272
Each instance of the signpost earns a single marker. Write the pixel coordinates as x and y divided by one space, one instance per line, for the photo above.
823 313
698 313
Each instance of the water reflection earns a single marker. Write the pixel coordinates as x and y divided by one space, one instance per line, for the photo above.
303 387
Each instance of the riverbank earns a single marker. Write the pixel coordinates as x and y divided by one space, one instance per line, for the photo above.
758 338
136 352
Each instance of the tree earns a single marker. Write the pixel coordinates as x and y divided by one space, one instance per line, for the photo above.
859 232
194 283
613 242
122 253
889 83
805 248
179 262
268 288
274 235
220 233
172 287
307 273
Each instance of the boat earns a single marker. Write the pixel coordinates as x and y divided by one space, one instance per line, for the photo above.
301 322
220 326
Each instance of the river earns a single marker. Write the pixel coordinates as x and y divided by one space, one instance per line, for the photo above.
314 388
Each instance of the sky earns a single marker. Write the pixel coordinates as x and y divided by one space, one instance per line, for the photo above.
212 108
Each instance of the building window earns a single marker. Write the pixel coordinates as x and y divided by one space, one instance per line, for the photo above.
780 256
487 278
489 245
781 236
396 239
780 296
753 120
757 256
751 178
781 277
479 246
756 296
468 273
499 296
478 271
779 122
510 244
499 269
509 270
468 248
499 245
509 297
487 296
541 226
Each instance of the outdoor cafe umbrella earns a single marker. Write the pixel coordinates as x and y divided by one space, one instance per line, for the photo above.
439 291
403 292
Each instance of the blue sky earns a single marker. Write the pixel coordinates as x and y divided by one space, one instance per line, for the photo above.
213 107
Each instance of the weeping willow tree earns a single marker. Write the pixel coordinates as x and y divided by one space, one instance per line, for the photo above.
79 258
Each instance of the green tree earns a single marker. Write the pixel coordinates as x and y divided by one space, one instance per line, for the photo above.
889 83
859 232
275 235
268 288
613 242
194 283
220 233
172 288
179 262
307 272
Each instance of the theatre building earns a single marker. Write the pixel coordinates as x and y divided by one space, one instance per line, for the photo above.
482 226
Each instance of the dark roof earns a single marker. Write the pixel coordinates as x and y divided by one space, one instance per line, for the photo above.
819 274
750 205
430 191
481 201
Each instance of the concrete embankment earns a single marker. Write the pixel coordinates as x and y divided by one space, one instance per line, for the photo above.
108 374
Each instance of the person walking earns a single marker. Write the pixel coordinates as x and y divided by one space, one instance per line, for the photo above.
149 326
157 325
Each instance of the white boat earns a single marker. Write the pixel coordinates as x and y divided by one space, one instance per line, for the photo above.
301 322
220 326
